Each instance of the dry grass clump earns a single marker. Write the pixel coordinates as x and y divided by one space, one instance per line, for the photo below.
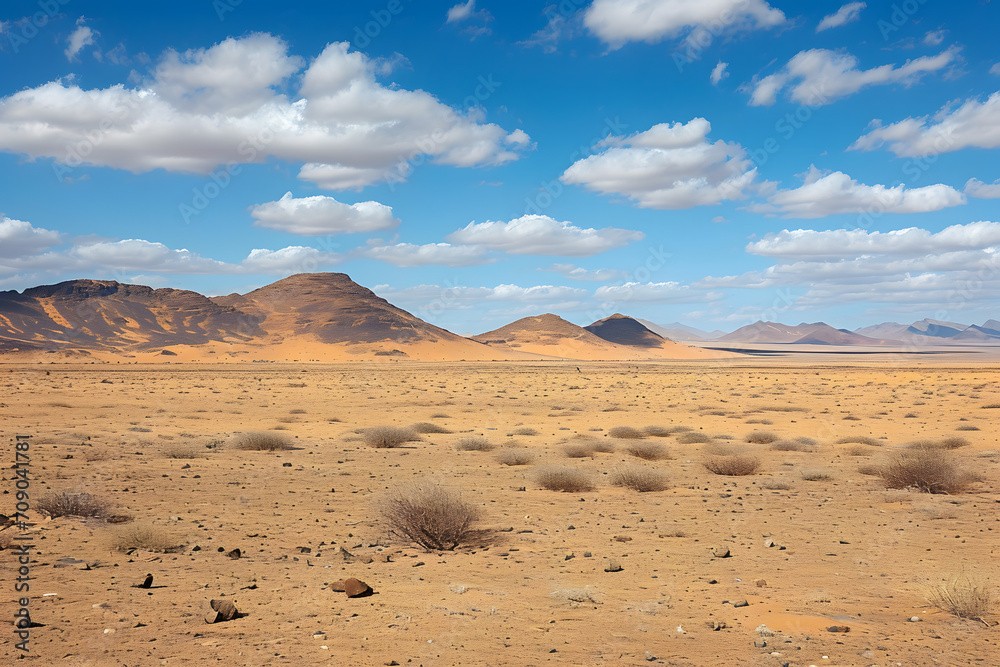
626 432
648 451
991 406
579 450
926 470
761 438
474 443
180 452
427 427
387 437
816 475
658 431
639 479
692 437
775 485
72 503
860 440
953 442
563 478
525 430
429 514
967 427
790 446
963 596
602 446
870 469
859 450
737 465
766 422
515 457
143 536
262 441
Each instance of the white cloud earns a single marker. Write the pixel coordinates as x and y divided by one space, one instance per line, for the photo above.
976 188
225 104
846 14
829 194
974 124
293 259
559 27
475 295
319 216
430 254
616 22
577 273
542 235
667 292
820 76
138 254
667 167
19 238
79 38
461 11
934 37
719 73
995 69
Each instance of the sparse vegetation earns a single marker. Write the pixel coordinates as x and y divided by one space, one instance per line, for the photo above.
859 450
515 457
430 515
387 437
474 443
761 437
72 503
737 465
180 452
562 478
953 442
816 475
143 536
648 451
427 427
963 596
775 485
626 433
967 427
790 446
692 437
926 470
262 441
639 479
579 450
859 439
525 430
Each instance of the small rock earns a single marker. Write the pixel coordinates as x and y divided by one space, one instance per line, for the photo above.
760 643
721 552
338 586
741 603
234 554
286 465
145 583
650 657
915 619
838 628
356 588
222 610
761 583
613 566
716 625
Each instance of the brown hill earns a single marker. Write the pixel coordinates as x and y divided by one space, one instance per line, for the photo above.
817 333
626 331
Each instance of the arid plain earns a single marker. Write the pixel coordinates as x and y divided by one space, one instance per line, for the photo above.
814 543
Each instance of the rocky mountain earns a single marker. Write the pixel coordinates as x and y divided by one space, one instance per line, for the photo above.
817 333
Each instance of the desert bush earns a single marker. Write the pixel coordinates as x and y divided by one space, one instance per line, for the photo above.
761 437
602 446
967 427
789 446
142 536
766 422
72 503
991 406
648 451
430 515
783 408
870 469
562 478
658 431
963 596
775 485
639 479
427 427
859 439
859 450
180 452
626 432
578 450
262 441
515 457
927 470
953 442
525 430
387 437
737 465
816 475
474 443
692 437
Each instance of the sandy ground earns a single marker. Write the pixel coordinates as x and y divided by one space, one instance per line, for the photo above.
847 551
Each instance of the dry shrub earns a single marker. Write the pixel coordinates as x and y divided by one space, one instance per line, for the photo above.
516 457
783 408
991 406
967 427
658 431
72 503
963 596
562 478
474 443
602 446
738 465
427 427
626 432
579 450
262 441
790 446
143 536
761 437
775 485
723 449
860 440
648 451
927 470
691 437
766 422
525 430
430 515
870 469
953 442
816 475
180 452
639 479
387 437
859 450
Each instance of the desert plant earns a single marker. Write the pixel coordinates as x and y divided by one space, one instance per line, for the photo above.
515 457
789 446
525 430
761 437
648 451
180 452
602 446
427 427
639 479
859 450
691 437
737 465
816 475
474 443
766 422
775 485
387 437
963 596
658 431
967 427
870 469
72 503
927 470
626 432
579 450
429 514
953 442
262 441
859 439
562 478
142 536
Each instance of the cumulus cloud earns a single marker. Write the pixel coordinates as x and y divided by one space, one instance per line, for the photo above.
577 273
19 238
995 69
667 167
934 37
461 11
293 259
79 38
430 254
667 292
319 216
225 104
973 124
719 73
457 295
542 235
846 14
820 76
828 194
976 188
616 22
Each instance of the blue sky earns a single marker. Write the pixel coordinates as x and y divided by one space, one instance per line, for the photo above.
713 162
